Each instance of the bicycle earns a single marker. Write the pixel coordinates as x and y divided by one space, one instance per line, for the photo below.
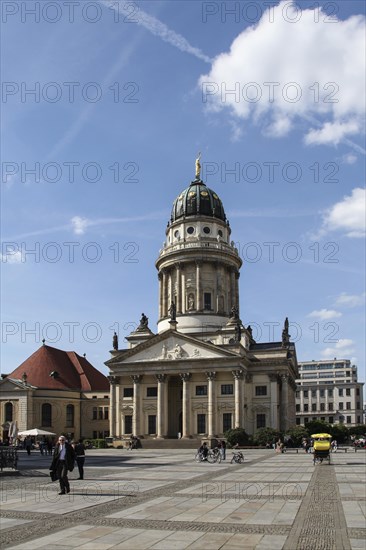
214 455
238 458
199 457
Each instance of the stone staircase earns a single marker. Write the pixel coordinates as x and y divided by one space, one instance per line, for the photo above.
172 443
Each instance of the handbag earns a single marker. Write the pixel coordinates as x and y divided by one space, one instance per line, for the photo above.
53 475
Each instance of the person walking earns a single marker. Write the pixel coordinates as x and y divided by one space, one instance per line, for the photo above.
28 444
63 462
79 449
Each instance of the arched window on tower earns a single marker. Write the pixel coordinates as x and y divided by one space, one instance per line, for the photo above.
46 415
70 414
8 412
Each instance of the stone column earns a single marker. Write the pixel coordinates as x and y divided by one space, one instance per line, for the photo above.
248 417
274 400
186 404
118 410
160 277
237 275
238 376
178 284
136 429
284 402
232 288
164 294
317 401
211 404
198 287
161 412
113 380
183 290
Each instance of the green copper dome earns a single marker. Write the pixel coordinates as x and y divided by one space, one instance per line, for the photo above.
197 200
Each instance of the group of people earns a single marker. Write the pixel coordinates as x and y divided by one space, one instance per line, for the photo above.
63 461
221 445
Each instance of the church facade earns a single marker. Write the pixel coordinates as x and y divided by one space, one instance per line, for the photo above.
202 373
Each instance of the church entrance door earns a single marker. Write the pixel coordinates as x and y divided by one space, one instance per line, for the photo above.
175 391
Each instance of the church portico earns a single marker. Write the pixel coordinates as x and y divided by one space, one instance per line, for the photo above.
202 373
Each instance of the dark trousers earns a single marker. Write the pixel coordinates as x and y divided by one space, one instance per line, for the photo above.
80 462
62 475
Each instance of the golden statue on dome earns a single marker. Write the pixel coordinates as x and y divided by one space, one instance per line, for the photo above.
198 167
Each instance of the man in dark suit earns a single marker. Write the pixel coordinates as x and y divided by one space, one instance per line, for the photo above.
63 461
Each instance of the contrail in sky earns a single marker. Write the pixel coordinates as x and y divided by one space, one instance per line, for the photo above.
156 27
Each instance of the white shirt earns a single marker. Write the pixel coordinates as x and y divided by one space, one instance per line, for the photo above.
62 451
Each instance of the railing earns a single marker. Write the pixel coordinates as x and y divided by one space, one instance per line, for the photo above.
8 458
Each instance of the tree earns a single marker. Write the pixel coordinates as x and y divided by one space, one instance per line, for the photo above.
297 433
266 435
237 436
340 432
318 426
360 429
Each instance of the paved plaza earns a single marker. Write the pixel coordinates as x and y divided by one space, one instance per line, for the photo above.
152 499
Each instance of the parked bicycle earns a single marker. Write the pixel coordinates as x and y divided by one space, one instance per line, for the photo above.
238 458
214 455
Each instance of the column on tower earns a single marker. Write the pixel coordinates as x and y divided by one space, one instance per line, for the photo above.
232 288
198 286
161 290
183 287
165 306
178 287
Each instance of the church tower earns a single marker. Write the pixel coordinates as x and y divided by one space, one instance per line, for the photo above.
198 266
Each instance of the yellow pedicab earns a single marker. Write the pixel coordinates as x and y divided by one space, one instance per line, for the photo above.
321 447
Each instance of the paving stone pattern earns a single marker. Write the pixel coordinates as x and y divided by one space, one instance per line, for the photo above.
164 500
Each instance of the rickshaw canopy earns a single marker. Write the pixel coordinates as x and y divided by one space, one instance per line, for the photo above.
321 436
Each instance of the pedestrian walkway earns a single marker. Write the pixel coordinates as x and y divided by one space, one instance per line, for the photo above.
149 499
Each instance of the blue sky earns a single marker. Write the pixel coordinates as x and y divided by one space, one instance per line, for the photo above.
125 95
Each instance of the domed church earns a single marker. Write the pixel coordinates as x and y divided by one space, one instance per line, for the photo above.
202 373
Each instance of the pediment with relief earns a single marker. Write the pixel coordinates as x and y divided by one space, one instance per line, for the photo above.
174 348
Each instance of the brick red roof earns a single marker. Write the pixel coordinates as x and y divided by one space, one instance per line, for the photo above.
73 372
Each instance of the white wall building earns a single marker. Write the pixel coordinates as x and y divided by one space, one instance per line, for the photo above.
329 391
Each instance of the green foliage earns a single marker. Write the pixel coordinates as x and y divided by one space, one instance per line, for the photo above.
237 435
318 426
297 433
340 432
360 429
96 443
266 435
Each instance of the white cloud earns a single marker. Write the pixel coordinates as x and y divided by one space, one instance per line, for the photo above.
12 257
79 225
344 348
324 314
332 133
350 300
278 70
349 159
348 215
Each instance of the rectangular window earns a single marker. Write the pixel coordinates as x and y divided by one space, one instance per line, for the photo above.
95 435
306 420
297 408
322 406
261 421
106 413
313 393
297 421
261 390
341 406
330 392
331 419
152 392
207 300
226 421
357 391
201 423
313 407
127 392
358 404
358 420
227 389
306 407
151 424
349 419
330 406
201 390
322 393
348 391
340 392
348 405
128 424
306 393
95 413
100 413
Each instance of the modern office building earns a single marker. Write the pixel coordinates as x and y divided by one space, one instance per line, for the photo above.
329 391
